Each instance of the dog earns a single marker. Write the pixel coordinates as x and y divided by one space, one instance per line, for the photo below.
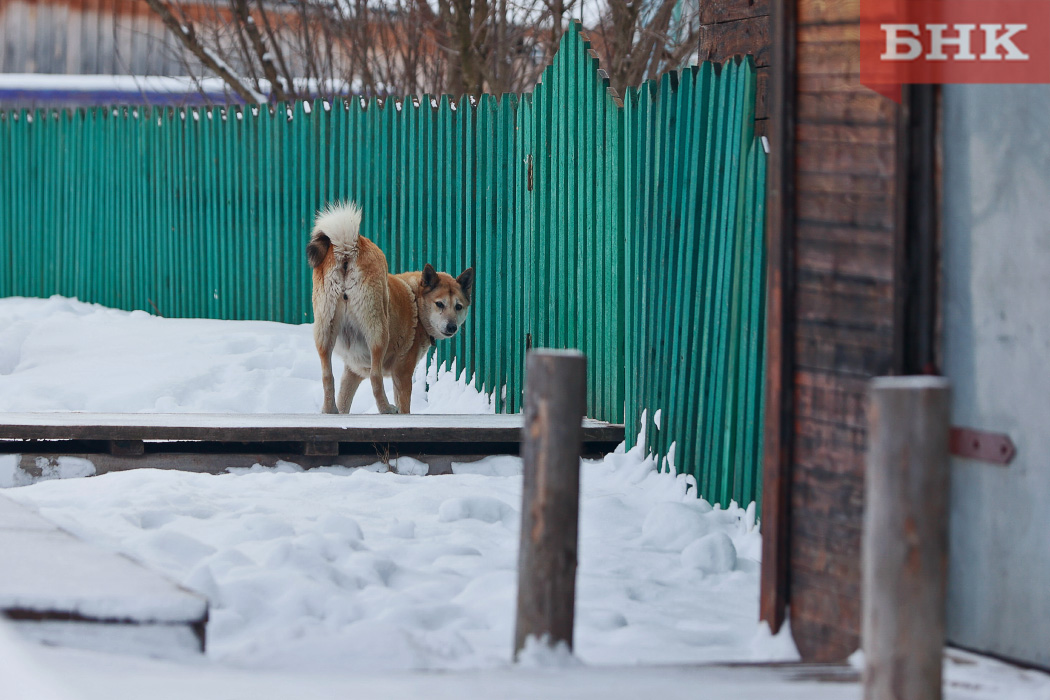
379 323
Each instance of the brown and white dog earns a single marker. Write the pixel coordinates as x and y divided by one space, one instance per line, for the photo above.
380 324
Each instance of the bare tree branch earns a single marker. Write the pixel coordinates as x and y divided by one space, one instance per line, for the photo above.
413 46
184 31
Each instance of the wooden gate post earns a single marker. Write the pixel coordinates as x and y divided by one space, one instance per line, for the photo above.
555 402
905 540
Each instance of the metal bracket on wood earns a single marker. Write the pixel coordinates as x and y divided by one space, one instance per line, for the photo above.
127 448
319 448
969 443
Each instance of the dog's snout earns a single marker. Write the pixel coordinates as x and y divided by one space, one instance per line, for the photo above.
451 328
345 297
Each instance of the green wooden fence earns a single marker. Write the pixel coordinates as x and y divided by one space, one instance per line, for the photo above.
630 229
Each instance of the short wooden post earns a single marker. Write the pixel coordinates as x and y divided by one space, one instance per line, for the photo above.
555 402
905 540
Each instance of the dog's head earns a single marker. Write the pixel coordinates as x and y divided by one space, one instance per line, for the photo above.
444 301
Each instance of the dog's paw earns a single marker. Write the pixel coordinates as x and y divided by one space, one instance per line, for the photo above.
390 410
330 409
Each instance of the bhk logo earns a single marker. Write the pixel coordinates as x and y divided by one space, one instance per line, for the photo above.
904 42
963 41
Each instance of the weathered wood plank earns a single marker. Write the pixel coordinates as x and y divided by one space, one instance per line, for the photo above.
840 58
842 133
808 578
32 463
842 309
847 183
818 231
859 350
844 441
831 397
860 108
873 160
859 209
816 639
837 284
227 428
825 605
780 326
828 492
743 37
838 258
836 33
729 10
847 255
828 12
762 95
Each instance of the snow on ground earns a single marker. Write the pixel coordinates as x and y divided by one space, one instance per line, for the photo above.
60 354
326 580
363 569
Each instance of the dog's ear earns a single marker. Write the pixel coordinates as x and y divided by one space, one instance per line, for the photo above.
466 283
430 278
318 248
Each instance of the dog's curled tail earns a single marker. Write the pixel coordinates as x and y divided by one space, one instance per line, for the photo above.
341 222
337 225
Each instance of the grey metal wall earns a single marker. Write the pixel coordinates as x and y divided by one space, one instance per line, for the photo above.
996 267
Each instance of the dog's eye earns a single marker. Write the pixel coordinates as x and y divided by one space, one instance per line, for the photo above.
459 307
440 304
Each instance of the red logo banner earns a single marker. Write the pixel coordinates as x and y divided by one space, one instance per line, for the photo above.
963 41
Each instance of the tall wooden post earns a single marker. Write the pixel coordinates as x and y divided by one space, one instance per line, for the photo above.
555 402
905 540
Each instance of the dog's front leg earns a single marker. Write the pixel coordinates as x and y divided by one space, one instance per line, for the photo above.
327 379
375 374
403 390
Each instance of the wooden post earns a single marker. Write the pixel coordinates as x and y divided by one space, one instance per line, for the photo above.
555 401
905 540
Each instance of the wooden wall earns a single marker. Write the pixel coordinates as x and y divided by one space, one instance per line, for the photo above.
846 315
739 27
836 308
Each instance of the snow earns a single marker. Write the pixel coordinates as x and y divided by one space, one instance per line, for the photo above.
540 653
333 579
335 568
62 467
22 676
780 647
52 674
60 354
712 554
35 557
673 526
131 84
358 569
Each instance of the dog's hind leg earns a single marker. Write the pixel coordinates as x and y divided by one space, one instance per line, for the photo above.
347 389
327 379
